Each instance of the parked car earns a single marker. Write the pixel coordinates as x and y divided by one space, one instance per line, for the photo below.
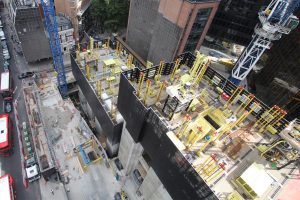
4 45
6 65
2 35
7 104
26 75
137 177
5 51
121 196
6 56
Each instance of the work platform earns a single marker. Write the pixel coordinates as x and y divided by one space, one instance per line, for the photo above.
64 132
220 141
97 70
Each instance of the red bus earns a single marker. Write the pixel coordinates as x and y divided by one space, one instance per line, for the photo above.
5 135
7 187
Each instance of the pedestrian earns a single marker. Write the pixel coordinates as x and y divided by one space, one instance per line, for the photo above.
52 191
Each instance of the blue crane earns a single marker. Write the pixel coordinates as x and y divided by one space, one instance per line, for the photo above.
52 29
275 20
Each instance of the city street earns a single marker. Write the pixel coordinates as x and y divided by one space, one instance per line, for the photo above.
12 164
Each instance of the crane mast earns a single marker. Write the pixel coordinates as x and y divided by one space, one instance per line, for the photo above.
52 29
275 20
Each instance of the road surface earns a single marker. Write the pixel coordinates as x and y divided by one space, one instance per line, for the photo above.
12 164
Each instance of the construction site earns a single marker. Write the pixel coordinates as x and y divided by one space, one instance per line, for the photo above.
70 157
113 126
182 122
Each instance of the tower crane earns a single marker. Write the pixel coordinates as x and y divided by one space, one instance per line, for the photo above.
275 20
52 29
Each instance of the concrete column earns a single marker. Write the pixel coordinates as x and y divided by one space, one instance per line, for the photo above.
82 100
129 151
152 188
98 127
112 150
90 112
161 193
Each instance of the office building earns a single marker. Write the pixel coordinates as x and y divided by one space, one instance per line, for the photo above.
235 20
163 29
27 21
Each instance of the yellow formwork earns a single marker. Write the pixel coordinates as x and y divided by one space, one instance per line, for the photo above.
175 68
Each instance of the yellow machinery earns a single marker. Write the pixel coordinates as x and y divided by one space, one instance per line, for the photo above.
269 118
118 48
129 61
184 126
87 70
84 150
201 128
201 72
140 83
109 81
245 103
283 114
227 128
265 149
146 94
162 86
234 196
159 72
194 136
197 63
91 46
149 64
123 195
176 66
98 88
234 96
211 168
227 62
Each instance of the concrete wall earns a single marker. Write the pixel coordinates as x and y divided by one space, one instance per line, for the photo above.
98 126
129 151
152 188
141 21
164 41
161 193
158 30
111 129
31 33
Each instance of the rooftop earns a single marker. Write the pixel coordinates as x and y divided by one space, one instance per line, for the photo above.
102 67
220 129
